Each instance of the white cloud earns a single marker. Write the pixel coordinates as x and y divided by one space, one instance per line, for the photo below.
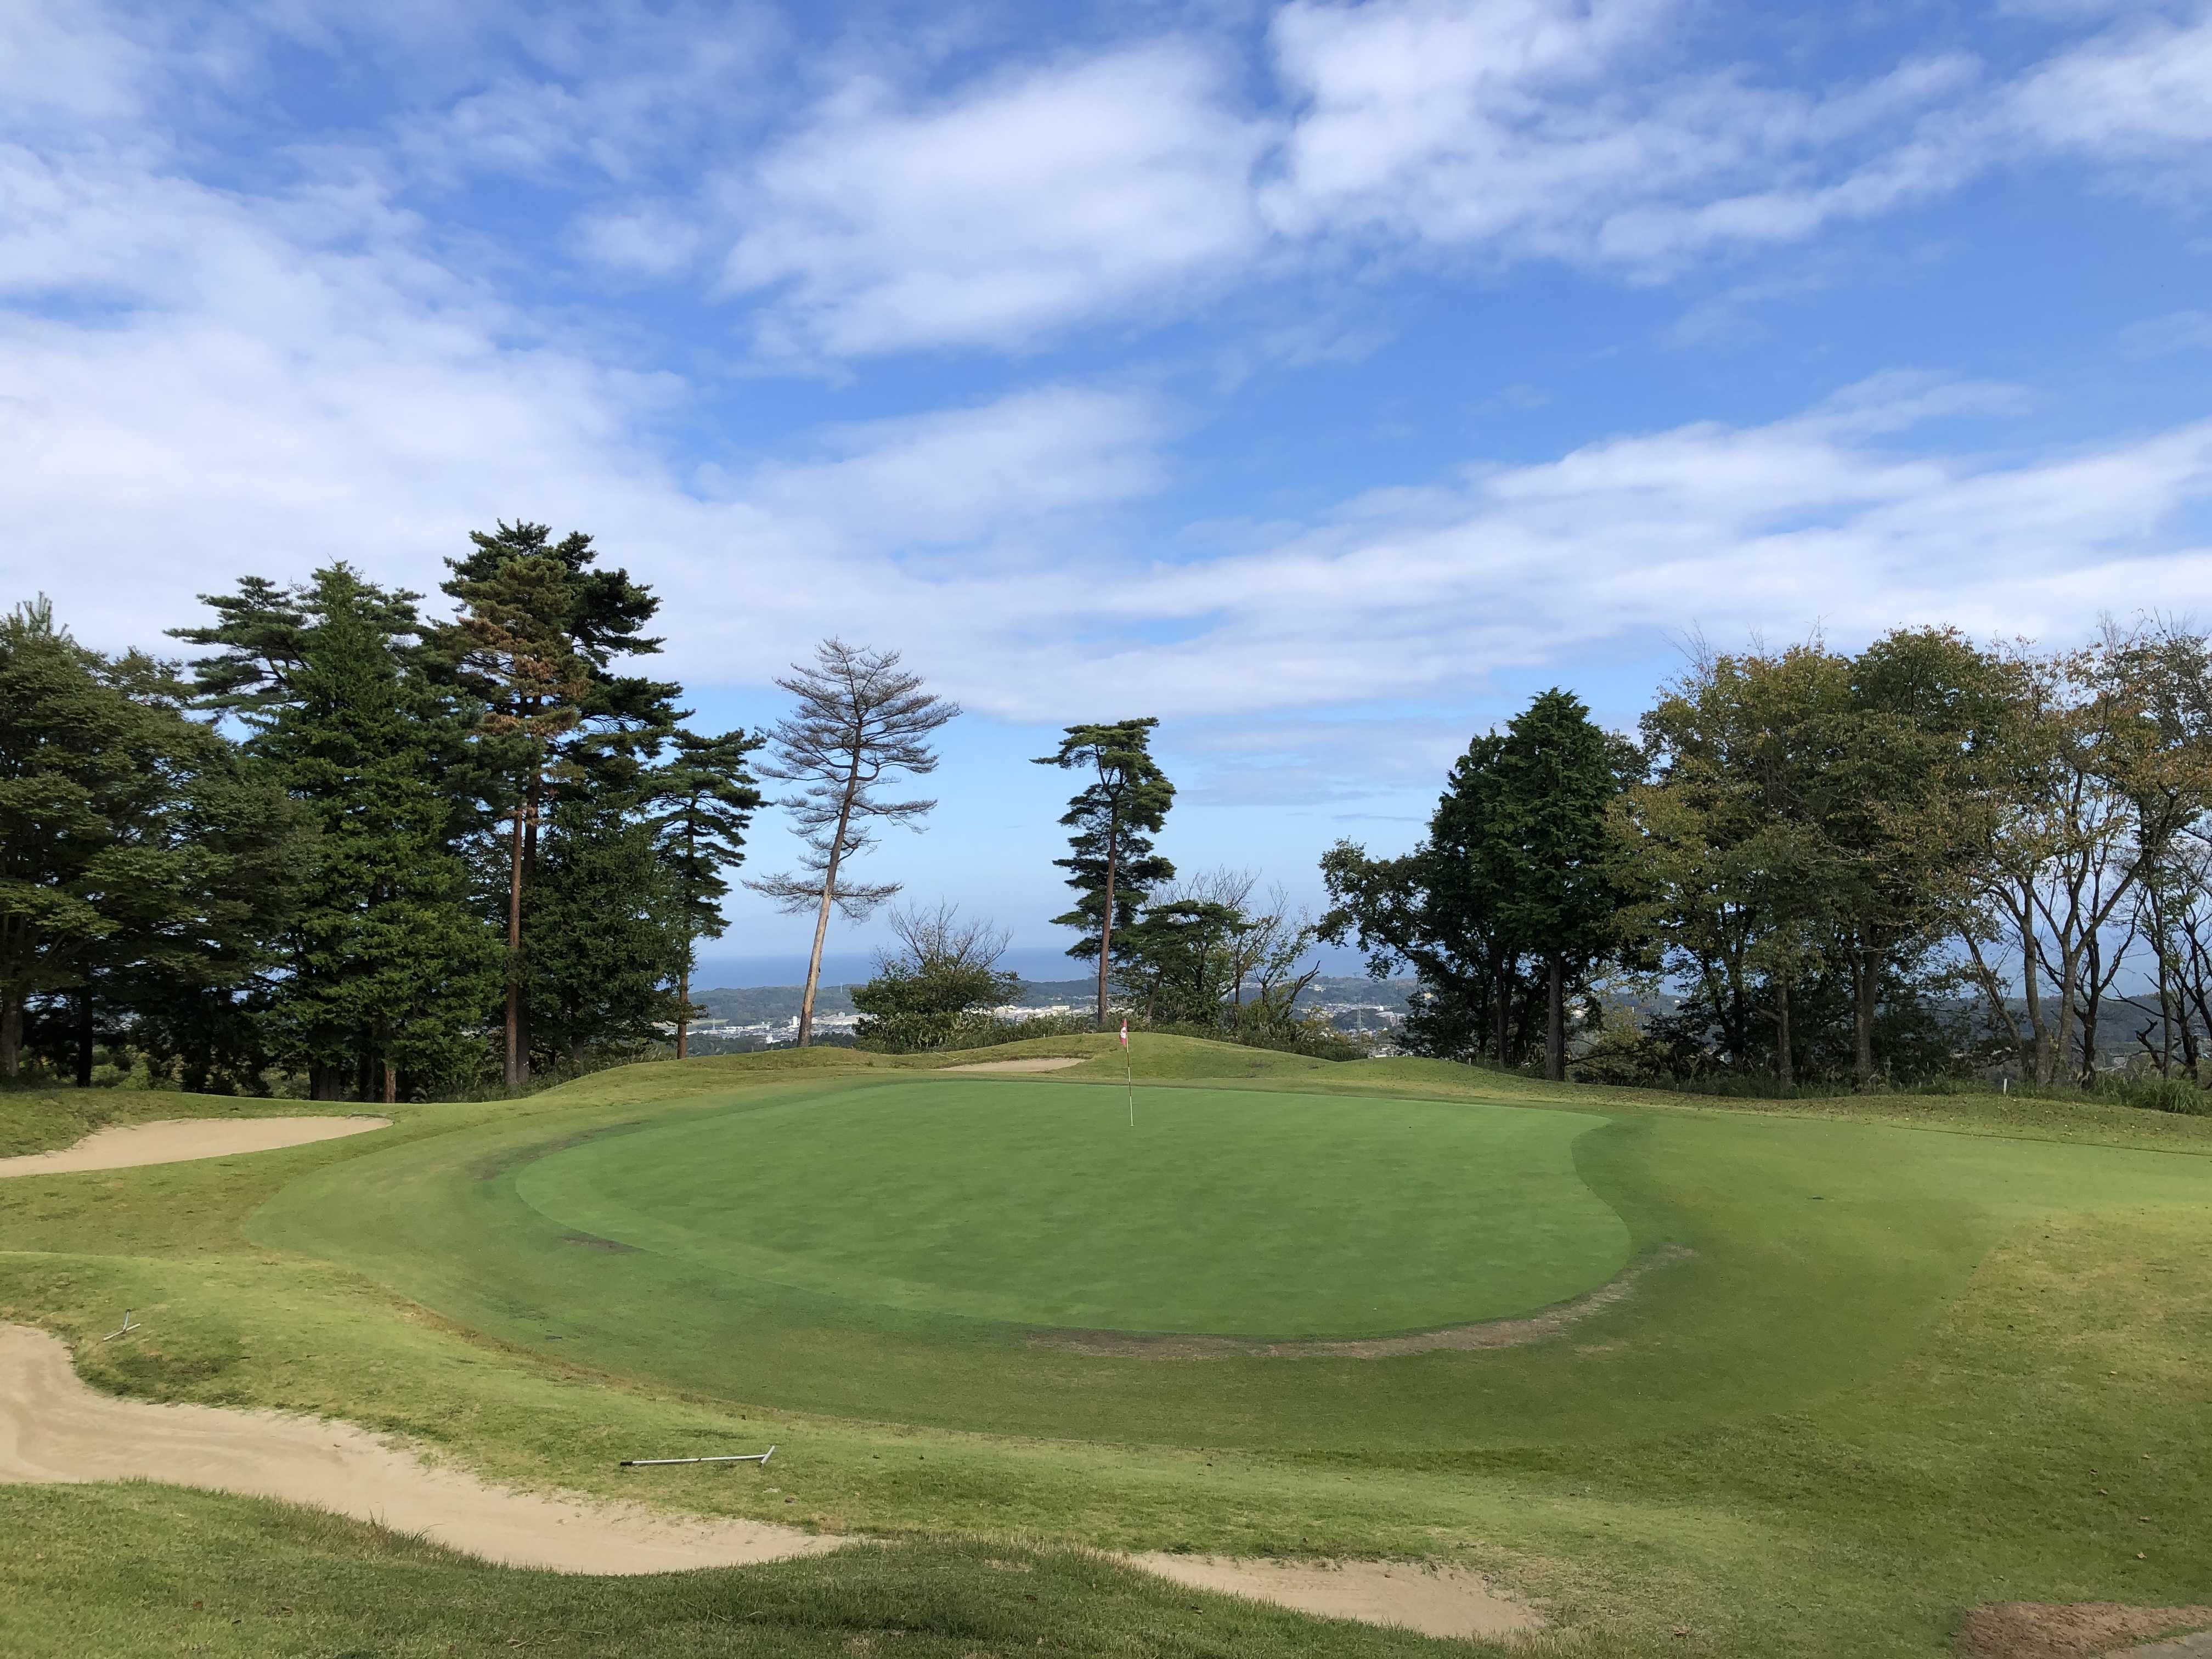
2178 330
2142 92
1099 188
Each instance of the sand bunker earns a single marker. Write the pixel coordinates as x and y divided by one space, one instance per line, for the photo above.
1056 1064
1490 1334
53 1427
180 1140
2077 1630
1434 1600
56 1428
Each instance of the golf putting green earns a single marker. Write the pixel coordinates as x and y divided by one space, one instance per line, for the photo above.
938 1250
1224 1212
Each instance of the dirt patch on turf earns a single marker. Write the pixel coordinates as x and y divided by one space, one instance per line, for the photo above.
183 1139
1490 1334
1058 1063
53 1427
590 1242
2067 1630
1434 1600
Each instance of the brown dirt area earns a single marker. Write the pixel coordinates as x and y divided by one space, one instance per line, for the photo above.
1434 1600
180 1140
2069 1629
1490 1334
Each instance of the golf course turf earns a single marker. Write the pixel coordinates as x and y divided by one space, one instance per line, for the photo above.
1912 1355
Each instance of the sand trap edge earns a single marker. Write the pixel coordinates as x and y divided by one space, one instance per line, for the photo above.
185 1140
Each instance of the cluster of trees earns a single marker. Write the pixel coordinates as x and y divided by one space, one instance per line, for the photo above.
372 852
386 853
1210 953
1813 865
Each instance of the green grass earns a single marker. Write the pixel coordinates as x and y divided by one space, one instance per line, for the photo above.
1823 1250
1022 1202
225 1576
1934 1354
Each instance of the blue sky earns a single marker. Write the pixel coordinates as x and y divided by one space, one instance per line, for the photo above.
1321 378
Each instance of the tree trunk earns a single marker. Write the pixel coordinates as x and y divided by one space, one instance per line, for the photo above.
829 897
1106 917
1785 1070
323 1083
2031 990
683 1007
1500 984
391 1083
1866 976
517 1063
11 1036
1555 1022
84 1037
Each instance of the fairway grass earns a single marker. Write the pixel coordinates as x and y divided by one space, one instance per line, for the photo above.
1911 1367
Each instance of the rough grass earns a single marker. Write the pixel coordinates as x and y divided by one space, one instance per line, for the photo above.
2049 1387
222 1575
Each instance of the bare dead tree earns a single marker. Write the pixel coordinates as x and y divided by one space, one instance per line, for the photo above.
859 721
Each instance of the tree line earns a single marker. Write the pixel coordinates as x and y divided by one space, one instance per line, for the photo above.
381 855
1928 857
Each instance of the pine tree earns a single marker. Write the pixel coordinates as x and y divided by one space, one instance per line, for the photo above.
540 629
1111 863
390 972
101 876
700 803
607 930
860 720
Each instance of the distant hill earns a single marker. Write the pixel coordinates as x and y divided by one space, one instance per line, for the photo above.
751 1005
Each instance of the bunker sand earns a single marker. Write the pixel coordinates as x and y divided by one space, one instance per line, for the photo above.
180 1140
1053 1064
54 1427
1434 1600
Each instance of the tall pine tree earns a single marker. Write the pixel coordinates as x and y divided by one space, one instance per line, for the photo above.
1114 816
390 971
700 803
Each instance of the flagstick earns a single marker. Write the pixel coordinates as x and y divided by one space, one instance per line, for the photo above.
1129 1075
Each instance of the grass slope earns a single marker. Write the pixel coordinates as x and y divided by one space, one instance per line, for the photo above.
2042 1430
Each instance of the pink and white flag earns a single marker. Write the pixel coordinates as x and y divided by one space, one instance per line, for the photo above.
1125 1034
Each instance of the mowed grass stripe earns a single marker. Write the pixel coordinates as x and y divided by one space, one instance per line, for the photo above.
1228 1211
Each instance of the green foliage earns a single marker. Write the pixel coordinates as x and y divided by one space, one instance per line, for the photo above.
388 966
607 929
1517 871
1113 818
700 804
932 991
127 837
